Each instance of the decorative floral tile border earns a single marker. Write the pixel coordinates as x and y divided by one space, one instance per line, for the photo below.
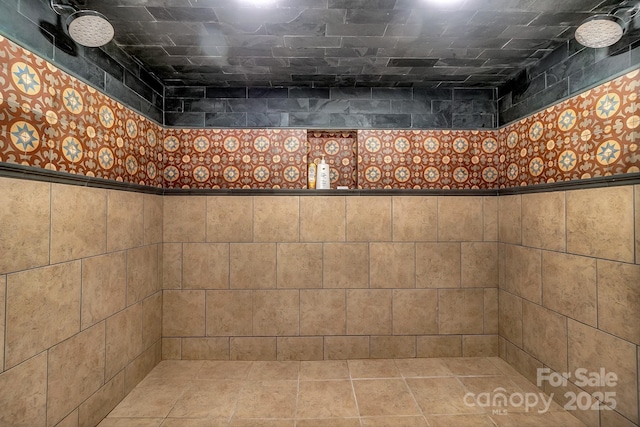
52 120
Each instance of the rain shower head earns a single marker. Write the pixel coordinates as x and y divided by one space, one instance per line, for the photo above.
86 27
606 30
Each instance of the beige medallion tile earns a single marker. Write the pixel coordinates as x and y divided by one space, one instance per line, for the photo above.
76 370
440 396
172 266
104 287
460 218
479 264
510 315
69 237
184 219
414 218
125 220
208 399
24 236
510 219
387 347
151 320
229 219
98 406
299 265
23 393
322 312
276 313
42 309
123 339
205 266
183 313
415 312
600 223
224 370
346 347
252 266
152 219
384 397
438 265
300 348
267 399
229 313
346 265
274 370
619 299
368 312
368 219
142 273
322 219
369 368
205 348
544 335
461 311
439 346
422 367
276 219
252 348
326 399
523 275
392 265
490 217
324 370
543 220
405 421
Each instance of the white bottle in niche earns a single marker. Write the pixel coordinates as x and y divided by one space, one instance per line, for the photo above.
323 181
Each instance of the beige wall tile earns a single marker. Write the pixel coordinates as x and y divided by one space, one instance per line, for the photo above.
490 311
346 265
205 348
184 219
368 218
43 308
461 311
523 272
142 273
205 266
439 346
368 312
523 362
3 287
502 265
229 313
276 219
510 315
151 319
252 348
479 264
490 218
229 219
69 237
637 212
543 220
124 339
619 299
588 416
23 394
252 266
569 285
98 406
322 312
152 219
437 265
322 219
346 347
393 347
299 265
25 235
612 418
141 366
586 346
510 219
415 218
460 218
125 220
479 345
75 371
415 312
544 335
300 348
171 348
276 313
183 313
104 287
392 265
600 223
172 266
70 420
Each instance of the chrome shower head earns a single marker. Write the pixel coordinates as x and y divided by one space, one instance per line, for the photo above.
606 30
86 27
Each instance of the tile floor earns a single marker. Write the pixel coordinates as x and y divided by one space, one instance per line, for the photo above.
400 392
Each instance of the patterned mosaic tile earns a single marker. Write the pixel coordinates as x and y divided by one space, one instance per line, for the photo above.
339 149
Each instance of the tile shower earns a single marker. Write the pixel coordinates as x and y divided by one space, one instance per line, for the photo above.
91 299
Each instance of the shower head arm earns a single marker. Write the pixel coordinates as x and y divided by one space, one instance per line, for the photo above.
62 8
626 10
